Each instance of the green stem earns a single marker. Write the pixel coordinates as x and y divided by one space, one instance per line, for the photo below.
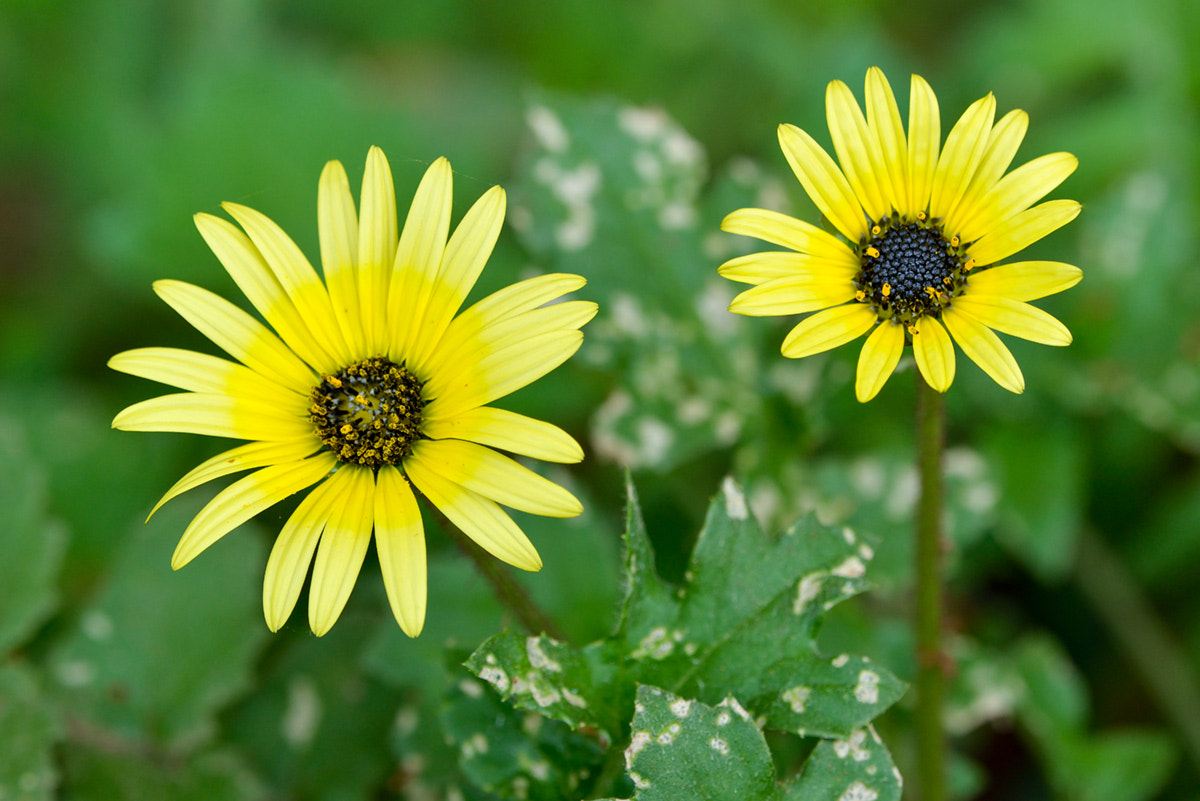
1124 608
931 748
506 589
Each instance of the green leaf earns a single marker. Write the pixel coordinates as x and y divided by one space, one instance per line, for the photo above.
517 754
744 624
94 772
684 749
31 544
859 768
27 734
158 651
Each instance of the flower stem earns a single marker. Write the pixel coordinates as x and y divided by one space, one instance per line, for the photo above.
931 748
511 594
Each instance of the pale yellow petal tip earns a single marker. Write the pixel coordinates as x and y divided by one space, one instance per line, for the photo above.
321 621
412 623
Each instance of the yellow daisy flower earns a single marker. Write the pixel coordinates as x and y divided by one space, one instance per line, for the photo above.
371 382
922 228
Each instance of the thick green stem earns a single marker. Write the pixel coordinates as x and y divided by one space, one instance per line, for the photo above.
506 589
931 749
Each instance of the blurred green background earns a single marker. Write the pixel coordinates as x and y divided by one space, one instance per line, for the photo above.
1074 509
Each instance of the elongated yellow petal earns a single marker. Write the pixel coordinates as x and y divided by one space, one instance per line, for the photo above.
828 329
515 299
243 457
419 258
1013 317
858 151
780 229
1002 146
479 518
200 372
823 181
400 542
1023 229
934 353
337 224
494 476
964 149
377 240
466 253
245 498
878 359
1026 280
292 553
247 267
1016 192
883 118
516 433
238 334
985 349
342 549
504 371
924 140
793 295
300 282
216 416
758 268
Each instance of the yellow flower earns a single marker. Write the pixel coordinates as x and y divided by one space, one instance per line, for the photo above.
922 230
371 382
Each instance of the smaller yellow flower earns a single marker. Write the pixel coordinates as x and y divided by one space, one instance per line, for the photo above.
371 380
922 231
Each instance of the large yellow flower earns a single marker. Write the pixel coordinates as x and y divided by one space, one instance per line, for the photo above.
922 230
372 382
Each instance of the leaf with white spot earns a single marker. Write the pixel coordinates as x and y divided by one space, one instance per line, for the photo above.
686 749
857 768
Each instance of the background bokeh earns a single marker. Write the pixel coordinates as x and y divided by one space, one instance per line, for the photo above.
1074 509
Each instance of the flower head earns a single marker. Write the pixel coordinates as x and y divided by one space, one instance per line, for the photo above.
921 229
371 380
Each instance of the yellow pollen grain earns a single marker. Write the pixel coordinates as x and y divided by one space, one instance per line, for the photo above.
887 290
873 252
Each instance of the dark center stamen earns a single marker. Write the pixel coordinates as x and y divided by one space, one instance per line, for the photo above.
368 414
910 269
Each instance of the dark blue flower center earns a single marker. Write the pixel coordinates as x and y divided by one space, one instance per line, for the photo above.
368 414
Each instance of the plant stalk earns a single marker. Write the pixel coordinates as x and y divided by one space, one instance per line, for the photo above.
931 742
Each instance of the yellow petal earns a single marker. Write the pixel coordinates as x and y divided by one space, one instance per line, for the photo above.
828 329
200 372
342 549
1026 280
504 371
479 518
1016 192
1022 230
245 498
934 353
238 334
376 248
337 224
823 182
984 348
964 148
243 457
1013 317
291 556
494 476
516 433
216 416
1002 145
793 295
858 151
400 542
247 267
300 282
924 140
758 268
883 118
878 359
789 232
466 253
419 257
